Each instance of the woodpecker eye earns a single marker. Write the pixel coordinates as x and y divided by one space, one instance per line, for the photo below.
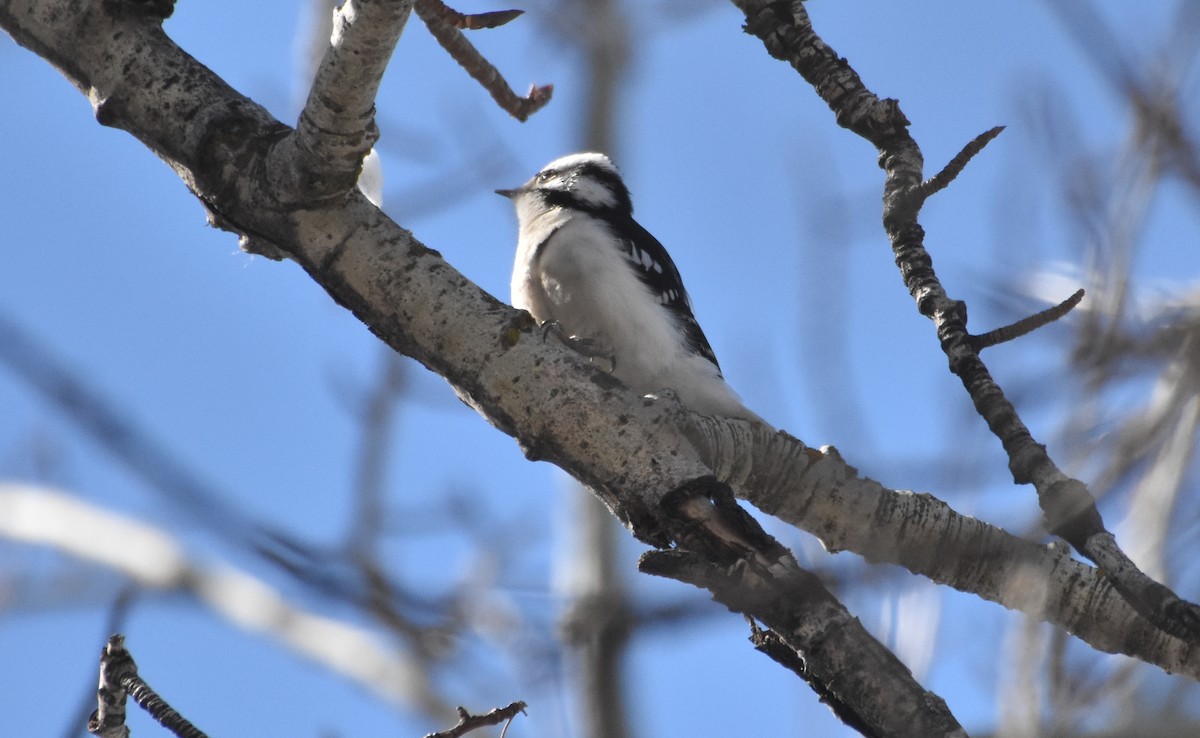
543 177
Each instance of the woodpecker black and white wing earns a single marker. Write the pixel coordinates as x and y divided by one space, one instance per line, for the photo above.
654 267
584 264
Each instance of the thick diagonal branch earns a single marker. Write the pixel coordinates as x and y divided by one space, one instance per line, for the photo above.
817 491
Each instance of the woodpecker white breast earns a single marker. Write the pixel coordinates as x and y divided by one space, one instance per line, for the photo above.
584 263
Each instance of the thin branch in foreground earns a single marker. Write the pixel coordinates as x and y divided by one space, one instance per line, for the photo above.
119 678
444 29
468 722
939 181
1023 326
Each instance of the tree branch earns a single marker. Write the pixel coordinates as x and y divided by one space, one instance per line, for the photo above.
1026 325
950 172
445 23
819 492
1068 508
153 559
321 159
722 548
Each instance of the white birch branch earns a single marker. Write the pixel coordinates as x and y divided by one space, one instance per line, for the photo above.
155 560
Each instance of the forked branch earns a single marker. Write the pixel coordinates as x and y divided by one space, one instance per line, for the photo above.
322 158
444 23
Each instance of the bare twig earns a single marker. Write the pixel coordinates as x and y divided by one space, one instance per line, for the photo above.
940 180
468 22
147 699
468 722
441 25
1026 325
118 679
377 417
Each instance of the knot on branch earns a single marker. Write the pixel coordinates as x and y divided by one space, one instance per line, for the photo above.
916 266
879 121
774 19
1024 456
951 319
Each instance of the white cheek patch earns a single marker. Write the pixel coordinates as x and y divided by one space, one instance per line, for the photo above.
592 193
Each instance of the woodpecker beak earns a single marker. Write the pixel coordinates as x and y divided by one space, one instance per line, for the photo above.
510 194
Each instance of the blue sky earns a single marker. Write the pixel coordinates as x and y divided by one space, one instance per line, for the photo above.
247 371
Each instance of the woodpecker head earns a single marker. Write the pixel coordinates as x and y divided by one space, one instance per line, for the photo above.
585 182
